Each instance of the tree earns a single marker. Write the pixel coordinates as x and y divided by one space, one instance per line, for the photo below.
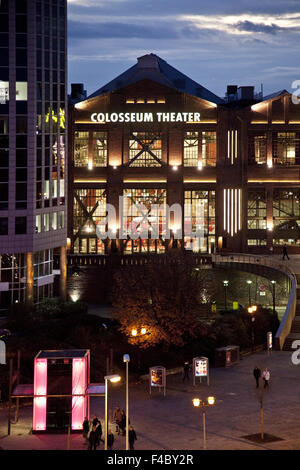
164 299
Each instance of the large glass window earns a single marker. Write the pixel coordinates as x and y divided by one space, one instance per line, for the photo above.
99 149
286 216
286 150
145 149
257 210
209 148
81 148
258 148
199 214
89 211
190 149
149 220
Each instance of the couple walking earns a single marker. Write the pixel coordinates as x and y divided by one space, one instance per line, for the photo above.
120 420
265 376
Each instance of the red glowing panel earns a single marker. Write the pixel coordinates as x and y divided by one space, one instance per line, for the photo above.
79 384
40 390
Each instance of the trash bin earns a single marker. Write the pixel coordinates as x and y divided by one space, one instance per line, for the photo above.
227 356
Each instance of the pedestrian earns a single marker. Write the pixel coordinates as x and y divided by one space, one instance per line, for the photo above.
99 432
284 252
266 377
117 418
95 420
132 437
85 428
110 439
93 439
122 425
186 369
257 374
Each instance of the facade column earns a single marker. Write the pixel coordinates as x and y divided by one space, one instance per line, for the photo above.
63 274
29 279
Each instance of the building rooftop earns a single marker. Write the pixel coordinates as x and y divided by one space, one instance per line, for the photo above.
152 67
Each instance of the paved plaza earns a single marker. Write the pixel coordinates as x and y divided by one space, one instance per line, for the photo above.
171 422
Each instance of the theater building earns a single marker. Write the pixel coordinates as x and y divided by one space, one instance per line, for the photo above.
153 135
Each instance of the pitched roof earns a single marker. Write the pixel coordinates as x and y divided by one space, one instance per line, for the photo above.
152 67
274 95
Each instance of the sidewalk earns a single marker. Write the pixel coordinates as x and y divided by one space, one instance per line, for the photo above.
172 423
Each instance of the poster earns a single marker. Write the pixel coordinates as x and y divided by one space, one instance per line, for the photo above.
157 378
200 368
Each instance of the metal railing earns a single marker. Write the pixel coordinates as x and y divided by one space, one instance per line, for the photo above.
290 311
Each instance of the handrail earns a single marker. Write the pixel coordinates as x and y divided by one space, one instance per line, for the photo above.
290 311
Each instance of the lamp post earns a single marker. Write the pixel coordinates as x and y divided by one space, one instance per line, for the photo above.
225 283
198 403
273 294
108 378
249 290
126 359
251 311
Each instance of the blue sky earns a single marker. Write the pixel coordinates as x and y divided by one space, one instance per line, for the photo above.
215 42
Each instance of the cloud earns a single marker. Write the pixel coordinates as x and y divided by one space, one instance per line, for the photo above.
119 30
258 27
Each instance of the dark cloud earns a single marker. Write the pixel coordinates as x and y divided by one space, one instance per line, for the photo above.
258 27
85 30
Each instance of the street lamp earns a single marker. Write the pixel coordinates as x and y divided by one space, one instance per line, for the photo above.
113 379
225 283
249 290
251 311
273 294
198 403
126 359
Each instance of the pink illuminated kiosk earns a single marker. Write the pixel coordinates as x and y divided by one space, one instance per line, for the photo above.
60 390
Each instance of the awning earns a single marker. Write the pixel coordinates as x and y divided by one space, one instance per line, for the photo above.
95 390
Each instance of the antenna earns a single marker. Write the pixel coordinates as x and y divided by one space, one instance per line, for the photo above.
262 90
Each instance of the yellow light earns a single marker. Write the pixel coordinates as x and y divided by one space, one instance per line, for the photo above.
143 331
133 332
250 310
196 402
254 308
115 379
90 165
211 400
175 167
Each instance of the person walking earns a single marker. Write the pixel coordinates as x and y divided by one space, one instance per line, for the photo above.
132 437
284 252
99 432
93 439
118 418
186 369
110 439
266 377
85 428
122 425
257 374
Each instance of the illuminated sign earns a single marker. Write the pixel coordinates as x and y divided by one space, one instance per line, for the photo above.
145 117
201 368
157 378
269 339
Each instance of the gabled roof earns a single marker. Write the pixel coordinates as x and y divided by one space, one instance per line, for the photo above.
152 67
274 95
